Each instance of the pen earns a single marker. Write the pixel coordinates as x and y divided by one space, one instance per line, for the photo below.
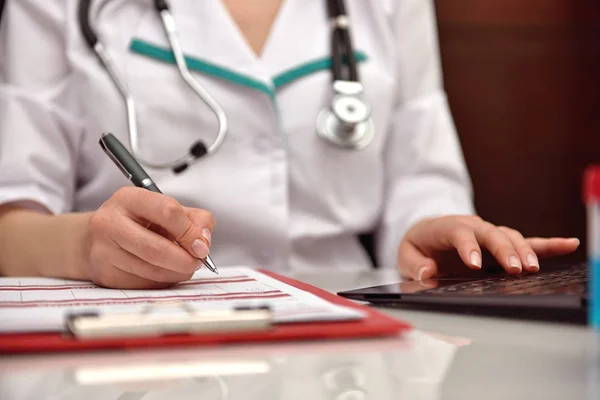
136 174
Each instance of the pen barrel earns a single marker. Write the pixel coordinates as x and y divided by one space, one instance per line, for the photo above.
152 187
127 162
138 177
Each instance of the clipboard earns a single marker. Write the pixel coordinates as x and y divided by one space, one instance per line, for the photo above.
196 330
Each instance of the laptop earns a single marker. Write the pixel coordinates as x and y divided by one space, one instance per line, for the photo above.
558 292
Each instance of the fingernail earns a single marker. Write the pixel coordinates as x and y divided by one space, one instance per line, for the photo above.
476 259
421 272
533 263
514 262
207 235
199 248
576 241
200 265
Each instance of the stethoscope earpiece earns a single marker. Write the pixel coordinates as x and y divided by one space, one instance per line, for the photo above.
198 150
180 168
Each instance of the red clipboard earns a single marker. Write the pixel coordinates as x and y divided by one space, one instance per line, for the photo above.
373 325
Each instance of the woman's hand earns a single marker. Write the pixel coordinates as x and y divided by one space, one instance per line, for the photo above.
423 247
142 239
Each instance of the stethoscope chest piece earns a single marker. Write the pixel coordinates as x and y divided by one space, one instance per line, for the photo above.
347 123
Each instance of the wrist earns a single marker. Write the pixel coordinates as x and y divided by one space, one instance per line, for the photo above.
67 246
80 245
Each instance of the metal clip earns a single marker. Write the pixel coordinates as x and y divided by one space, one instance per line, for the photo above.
151 323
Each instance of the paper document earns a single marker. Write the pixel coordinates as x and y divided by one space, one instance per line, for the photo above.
41 304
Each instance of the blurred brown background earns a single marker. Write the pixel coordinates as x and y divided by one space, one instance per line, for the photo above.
523 80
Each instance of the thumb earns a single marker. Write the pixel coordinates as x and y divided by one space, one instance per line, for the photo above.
413 264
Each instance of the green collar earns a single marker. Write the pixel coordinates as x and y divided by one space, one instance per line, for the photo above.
284 78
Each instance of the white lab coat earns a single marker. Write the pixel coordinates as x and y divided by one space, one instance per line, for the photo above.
283 198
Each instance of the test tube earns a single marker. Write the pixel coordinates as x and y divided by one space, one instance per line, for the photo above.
591 197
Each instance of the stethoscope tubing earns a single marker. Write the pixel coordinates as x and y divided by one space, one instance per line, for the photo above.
198 149
340 129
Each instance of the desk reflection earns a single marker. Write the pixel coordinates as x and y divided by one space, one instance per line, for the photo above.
411 367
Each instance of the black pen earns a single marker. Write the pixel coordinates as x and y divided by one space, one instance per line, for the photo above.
136 174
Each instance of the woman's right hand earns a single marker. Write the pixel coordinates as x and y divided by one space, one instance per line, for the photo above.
142 239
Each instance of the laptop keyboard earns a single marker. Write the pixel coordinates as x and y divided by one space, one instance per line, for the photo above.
567 281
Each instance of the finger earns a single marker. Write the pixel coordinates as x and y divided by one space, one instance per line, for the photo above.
500 245
413 264
463 238
448 234
134 265
151 247
429 283
200 217
112 277
161 231
168 214
203 219
117 279
553 246
527 255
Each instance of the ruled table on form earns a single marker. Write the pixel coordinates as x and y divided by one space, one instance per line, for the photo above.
41 304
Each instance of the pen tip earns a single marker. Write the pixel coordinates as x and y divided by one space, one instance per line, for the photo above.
211 265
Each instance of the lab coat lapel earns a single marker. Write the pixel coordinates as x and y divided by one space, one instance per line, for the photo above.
292 42
208 34
289 44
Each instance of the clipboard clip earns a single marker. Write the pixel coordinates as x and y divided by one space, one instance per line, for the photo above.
150 322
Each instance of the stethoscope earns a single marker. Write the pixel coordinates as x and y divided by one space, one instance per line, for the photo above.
346 123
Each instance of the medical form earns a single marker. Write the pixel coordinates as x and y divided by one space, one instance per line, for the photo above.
43 304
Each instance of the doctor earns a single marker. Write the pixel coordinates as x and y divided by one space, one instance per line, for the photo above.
296 127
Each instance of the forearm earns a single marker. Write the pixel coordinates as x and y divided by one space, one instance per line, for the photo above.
36 244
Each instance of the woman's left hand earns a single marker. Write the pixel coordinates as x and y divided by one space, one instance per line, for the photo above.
421 250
